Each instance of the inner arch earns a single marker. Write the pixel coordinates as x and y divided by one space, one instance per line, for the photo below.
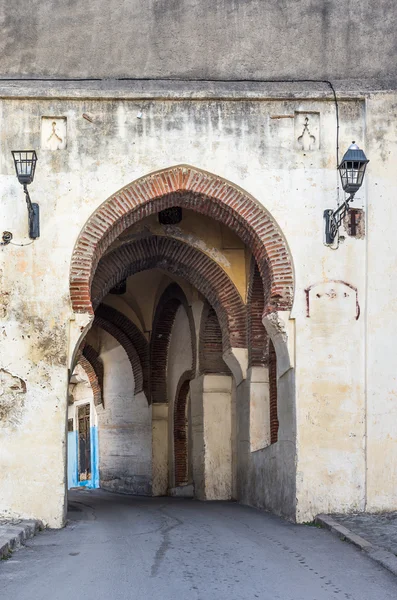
203 192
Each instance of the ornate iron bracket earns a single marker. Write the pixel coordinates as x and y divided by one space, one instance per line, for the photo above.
334 218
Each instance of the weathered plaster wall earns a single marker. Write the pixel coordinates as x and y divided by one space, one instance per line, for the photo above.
381 322
266 477
232 39
125 426
333 423
248 143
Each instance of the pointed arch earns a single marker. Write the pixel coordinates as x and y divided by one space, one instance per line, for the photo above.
181 434
187 262
124 341
198 190
136 337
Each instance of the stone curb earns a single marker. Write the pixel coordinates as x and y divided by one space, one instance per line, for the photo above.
14 536
383 557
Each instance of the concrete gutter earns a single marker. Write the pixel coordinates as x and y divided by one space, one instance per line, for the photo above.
12 536
386 559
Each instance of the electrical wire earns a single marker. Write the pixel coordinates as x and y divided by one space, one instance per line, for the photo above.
199 80
21 245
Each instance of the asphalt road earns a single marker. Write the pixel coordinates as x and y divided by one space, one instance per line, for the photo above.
124 548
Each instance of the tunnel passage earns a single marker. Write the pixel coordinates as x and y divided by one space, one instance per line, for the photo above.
179 294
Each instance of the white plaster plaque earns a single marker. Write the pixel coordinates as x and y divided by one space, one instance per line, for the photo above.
307 131
332 301
53 133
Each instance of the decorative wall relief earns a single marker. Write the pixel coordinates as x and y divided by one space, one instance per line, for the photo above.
53 133
307 131
12 399
333 301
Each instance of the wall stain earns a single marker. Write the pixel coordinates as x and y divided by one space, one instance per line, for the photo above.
12 399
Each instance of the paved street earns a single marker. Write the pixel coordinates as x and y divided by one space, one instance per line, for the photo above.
122 548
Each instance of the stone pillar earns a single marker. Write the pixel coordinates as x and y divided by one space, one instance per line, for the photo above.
258 381
160 449
211 411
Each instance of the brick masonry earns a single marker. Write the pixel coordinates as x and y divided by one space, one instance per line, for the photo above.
92 378
256 333
93 357
194 189
210 350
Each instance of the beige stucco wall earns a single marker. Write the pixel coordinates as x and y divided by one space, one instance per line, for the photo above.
344 368
381 293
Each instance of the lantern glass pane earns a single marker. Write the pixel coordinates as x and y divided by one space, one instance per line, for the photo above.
352 175
361 173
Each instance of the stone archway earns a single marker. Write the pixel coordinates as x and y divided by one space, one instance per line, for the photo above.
203 192
99 264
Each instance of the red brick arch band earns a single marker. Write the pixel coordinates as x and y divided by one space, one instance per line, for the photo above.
93 357
197 190
92 378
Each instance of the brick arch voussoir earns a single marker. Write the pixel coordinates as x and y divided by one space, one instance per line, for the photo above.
184 261
137 338
173 290
195 189
171 299
210 348
92 378
257 337
93 357
124 341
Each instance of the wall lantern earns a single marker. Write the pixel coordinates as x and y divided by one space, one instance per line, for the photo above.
352 171
25 166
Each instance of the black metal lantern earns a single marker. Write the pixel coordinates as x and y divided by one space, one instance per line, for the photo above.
25 166
352 169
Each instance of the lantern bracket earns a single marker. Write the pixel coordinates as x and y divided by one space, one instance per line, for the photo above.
334 218
33 215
